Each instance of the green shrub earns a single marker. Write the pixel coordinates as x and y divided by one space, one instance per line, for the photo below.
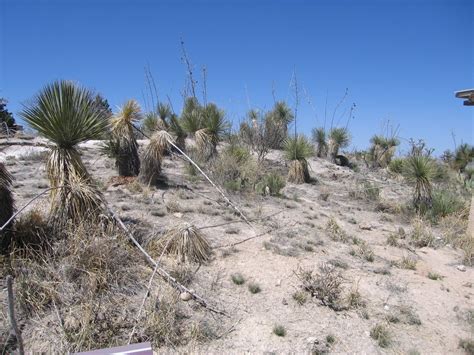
273 181
396 166
279 330
444 203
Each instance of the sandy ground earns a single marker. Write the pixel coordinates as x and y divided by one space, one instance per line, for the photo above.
440 307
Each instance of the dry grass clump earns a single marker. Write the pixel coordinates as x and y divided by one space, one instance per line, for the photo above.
381 334
454 230
32 232
186 243
84 293
366 190
421 234
336 232
326 286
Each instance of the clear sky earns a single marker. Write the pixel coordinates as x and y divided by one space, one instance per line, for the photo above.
401 60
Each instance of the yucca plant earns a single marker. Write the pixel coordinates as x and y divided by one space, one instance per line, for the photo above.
151 123
276 124
7 205
178 131
463 156
191 117
186 243
122 123
153 156
66 114
164 113
215 125
338 138
319 137
297 150
419 170
382 150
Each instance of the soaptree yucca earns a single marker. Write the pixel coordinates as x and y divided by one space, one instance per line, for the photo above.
153 155
338 138
382 150
67 115
419 170
123 133
297 150
319 137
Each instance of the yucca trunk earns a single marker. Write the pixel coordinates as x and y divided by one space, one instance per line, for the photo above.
321 151
128 161
151 163
423 195
333 149
73 197
382 156
298 172
7 207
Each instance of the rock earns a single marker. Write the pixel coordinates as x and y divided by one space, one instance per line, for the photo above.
185 296
284 301
461 268
278 283
366 226
178 215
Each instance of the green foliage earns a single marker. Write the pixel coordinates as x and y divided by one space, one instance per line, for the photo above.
127 159
66 114
381 334
150 123
419 170
234 168
319 137
297 148
382 150
5 116
444 203
276 124
279 330
338 138
464 155
273 181
396 165
238 279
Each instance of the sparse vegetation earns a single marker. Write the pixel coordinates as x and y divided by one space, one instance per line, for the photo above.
297 150
238 279
326 285
279 330
381 334
254 287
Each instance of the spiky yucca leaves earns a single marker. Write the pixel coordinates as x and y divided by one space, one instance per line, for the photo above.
178 131
297 150
151 123
192 117
6 205
419 171
276 124
164 112
464 155
67 115
215 123
338 138
153 155
127 160
382 150
186 243
319 137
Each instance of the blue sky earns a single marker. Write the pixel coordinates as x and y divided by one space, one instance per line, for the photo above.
401 60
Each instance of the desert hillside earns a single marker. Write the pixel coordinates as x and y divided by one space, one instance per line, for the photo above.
340 264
